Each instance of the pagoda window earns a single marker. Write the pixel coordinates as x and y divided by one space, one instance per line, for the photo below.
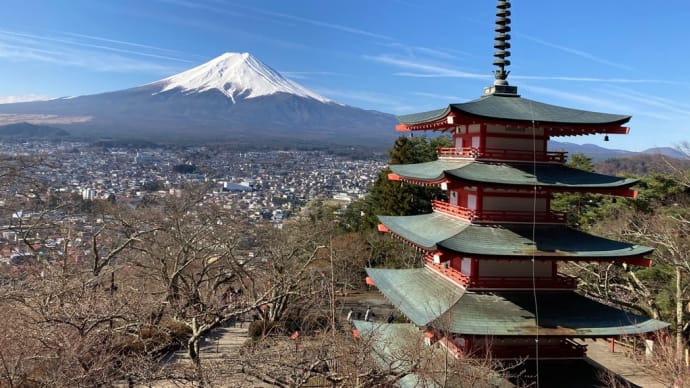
454 198
466 265
472 201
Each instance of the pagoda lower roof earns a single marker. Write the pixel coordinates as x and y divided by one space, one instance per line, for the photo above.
420 295
515 108
548 175
398 347
437 231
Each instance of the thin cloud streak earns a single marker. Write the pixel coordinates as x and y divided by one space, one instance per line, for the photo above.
590 79
579 53
318 23
379 99
89 45
274 15
308 74
443 97
429 69
122 42
426 51
658 103
80 58
596 104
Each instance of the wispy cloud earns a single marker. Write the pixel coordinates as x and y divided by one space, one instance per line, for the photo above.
382 101
203 6
576 52
310 74
318 23
590 79
63 50
276 17
427 69
661 106
443 97
122 42
598 104
73 42
412 51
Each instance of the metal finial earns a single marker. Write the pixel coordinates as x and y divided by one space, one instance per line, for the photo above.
501 42
500 86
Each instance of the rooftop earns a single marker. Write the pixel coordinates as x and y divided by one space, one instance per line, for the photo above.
507 313
556 242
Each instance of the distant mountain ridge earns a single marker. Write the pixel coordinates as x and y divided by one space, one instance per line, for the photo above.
598 153
31 131
234 97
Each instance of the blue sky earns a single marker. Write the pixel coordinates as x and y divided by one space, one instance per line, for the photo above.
396 56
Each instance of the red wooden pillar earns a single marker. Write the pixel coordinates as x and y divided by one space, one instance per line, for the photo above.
482 139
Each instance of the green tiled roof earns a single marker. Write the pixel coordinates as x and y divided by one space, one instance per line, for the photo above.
423 117
424 297
563 313
389 341
419 293
518 109
425 230
428 171
399 347
514 174
436 230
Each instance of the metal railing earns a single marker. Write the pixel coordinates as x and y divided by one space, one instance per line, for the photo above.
499 215
502 154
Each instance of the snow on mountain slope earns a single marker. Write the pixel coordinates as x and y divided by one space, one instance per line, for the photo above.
236 75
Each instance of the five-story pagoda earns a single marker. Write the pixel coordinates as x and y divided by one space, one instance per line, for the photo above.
490 283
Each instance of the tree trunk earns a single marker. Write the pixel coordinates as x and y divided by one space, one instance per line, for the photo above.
193 352
680 346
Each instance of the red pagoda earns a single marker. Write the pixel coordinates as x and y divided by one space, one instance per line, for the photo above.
490 283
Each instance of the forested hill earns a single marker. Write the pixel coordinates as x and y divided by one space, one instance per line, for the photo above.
641 164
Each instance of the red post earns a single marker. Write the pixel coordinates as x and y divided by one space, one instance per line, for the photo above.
613 344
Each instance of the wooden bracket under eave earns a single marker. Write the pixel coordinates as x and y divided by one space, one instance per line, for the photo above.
394 177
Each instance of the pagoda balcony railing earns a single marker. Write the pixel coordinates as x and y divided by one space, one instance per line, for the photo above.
560 281
499 215
450 273
501 154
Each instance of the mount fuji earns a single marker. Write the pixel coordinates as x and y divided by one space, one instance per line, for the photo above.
234 97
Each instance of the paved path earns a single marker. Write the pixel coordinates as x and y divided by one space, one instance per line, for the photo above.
621 363
222 346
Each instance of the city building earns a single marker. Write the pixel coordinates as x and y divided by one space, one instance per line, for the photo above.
491 283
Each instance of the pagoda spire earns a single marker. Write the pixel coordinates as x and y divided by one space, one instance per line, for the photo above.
502 46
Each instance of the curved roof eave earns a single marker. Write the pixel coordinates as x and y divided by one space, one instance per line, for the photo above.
561 313
510 174
513 108
436 230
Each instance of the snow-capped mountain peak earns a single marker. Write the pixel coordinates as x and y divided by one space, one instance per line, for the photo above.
236 74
